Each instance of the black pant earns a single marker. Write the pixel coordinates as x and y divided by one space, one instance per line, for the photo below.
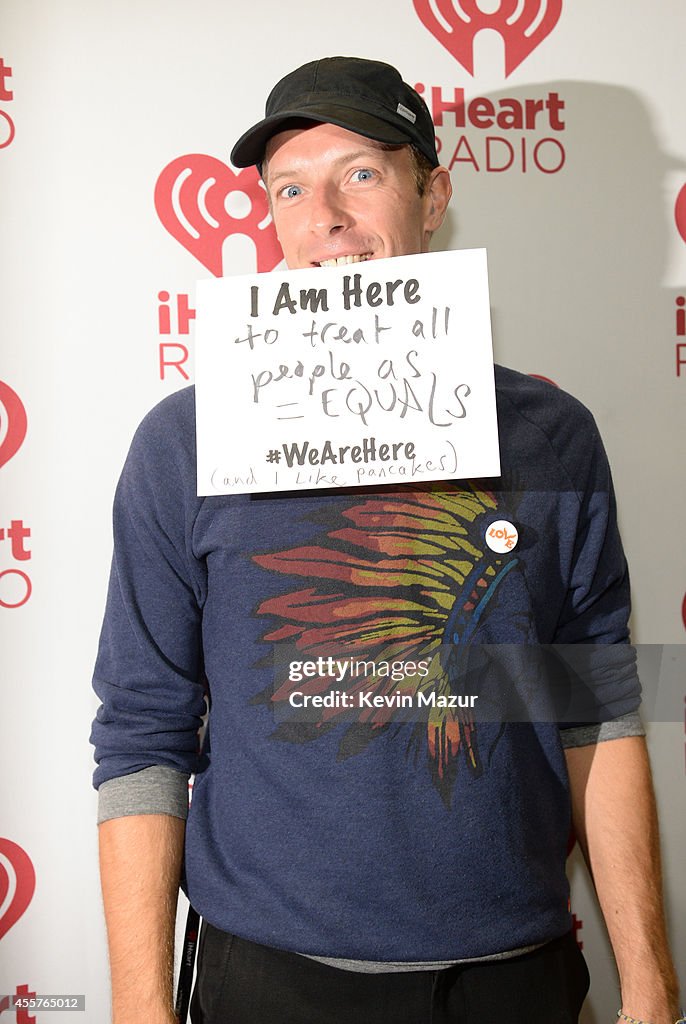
240 982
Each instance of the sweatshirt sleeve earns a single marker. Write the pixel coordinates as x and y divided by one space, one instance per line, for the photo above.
148 673
592 635
597 605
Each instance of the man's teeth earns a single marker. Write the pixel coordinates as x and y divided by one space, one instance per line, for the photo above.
341 261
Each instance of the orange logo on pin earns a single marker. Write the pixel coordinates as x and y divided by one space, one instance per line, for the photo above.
502 536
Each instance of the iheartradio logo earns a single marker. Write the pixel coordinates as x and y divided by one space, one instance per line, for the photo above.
17 884
522 24
13 423
202 201
680 213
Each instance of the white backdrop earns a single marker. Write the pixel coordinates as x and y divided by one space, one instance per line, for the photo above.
584 216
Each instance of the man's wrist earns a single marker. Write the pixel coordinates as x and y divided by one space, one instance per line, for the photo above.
638 1020
650 991
141 1015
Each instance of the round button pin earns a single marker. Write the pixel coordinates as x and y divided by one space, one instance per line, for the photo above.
502 536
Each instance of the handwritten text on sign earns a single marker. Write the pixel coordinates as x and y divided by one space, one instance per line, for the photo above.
371 373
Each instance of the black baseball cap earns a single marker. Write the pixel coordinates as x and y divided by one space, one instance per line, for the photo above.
364 96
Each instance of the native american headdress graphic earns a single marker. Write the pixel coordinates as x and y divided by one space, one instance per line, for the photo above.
406 576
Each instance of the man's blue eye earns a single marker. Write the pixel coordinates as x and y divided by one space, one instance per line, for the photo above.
291 191
364 174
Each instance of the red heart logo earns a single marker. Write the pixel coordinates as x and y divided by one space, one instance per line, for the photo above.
680 213
548 380
192 197
523 25
12 424
17 884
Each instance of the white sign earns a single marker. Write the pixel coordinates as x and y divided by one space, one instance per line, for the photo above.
378 372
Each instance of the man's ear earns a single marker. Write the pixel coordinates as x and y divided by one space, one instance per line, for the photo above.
438 193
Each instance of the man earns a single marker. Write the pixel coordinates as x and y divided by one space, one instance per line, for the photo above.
371 869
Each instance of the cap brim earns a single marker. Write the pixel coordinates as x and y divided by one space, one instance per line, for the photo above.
251 146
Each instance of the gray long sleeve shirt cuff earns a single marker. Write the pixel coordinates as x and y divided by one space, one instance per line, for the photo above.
154 790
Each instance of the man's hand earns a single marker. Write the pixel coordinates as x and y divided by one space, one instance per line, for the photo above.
140 867
615 820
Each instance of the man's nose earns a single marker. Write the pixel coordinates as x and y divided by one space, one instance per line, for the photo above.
329 213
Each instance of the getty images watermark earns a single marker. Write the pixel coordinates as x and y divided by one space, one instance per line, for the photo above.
353 670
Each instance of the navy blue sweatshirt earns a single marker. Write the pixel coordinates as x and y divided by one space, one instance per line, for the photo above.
367 832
